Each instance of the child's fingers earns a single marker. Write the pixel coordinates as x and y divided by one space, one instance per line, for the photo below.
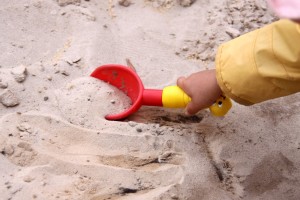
192 108
181 82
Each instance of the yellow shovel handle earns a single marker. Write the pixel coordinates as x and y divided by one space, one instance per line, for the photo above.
175 97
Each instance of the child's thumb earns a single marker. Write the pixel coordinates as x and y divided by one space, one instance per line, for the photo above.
181 82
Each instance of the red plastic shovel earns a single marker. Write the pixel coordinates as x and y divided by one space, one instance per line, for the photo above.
127 80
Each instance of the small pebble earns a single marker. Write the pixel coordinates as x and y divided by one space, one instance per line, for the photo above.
232 32
124 3
185 48
19 73
8 98
132 124
139 129
49 78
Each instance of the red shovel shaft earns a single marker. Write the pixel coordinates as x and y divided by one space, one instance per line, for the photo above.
170 97
152 97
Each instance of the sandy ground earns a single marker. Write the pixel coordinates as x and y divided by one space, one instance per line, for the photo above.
56 144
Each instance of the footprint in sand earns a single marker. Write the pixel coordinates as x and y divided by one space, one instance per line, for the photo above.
88 164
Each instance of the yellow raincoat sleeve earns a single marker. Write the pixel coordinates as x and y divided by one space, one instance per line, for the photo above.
261 65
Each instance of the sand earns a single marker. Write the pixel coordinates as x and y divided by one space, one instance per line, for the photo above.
56 144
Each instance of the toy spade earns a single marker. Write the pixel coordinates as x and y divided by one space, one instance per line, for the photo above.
127 80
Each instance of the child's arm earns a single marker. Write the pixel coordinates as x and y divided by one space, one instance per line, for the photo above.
258 66
261 65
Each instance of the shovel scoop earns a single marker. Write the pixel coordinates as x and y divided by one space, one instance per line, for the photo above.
127 80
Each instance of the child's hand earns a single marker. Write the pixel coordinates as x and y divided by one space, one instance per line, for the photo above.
203 89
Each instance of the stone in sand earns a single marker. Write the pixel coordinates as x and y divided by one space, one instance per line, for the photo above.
8 98
232 32
19 73
124 3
